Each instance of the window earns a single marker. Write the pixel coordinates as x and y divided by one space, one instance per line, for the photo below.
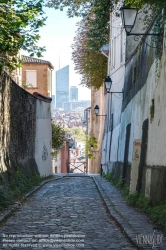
31 78
121 45
113 51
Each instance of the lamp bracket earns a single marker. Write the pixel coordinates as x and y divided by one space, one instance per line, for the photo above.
101 115
115 92
143 34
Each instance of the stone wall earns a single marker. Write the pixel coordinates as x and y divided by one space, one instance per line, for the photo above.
154 183
17 127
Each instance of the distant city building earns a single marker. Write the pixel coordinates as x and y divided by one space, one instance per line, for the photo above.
79 105
53 102
62 86
73 93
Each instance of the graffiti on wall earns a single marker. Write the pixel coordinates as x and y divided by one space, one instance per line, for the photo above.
45 153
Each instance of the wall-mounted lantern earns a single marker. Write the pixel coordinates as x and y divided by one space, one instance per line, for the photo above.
96 109
129 16
108 84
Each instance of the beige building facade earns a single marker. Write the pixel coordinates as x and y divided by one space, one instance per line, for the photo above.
97 128
37 75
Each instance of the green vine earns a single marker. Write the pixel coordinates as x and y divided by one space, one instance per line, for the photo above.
150 9
58 138
90 142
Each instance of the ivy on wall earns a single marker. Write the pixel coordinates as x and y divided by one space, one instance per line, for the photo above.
90 141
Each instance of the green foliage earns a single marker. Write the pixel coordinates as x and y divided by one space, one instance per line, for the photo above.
89 141
156 213
76 132
20 23
19 183
58 136
89 62
118 183
140 3
92 33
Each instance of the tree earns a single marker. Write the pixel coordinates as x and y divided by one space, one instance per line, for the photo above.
97 14
92 33
58 136
76 132
160 4
75 7
91 64
20 22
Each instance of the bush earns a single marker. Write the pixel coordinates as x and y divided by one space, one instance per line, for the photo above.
157 214
19 183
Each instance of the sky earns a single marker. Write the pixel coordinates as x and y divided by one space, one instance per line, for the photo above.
57 36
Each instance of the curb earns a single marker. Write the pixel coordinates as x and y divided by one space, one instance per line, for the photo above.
15 206
117 217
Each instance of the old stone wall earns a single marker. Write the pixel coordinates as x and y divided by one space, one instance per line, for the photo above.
17 126
154 183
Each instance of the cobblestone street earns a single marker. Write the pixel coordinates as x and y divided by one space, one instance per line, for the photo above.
69 206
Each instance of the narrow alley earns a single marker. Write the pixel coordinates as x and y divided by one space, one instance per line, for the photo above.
65 207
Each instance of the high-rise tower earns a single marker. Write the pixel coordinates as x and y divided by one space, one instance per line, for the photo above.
62 86
73 93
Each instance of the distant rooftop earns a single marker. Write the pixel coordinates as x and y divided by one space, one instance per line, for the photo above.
28 59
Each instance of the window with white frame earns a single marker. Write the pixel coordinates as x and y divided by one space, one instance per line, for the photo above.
121 45
31 78
113 51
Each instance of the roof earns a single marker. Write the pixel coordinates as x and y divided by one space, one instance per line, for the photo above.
87 108
42 97
28 59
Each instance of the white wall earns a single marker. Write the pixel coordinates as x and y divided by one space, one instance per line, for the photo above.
57 163
116 70
139 109
43 140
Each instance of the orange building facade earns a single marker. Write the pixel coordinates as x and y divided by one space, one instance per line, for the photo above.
37 75
65 158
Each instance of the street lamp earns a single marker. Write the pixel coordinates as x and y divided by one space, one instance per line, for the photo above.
129 16
108 84
96 109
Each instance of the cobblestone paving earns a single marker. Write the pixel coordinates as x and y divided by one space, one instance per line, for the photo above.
67 207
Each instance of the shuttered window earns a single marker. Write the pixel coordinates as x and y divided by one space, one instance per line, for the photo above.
31 78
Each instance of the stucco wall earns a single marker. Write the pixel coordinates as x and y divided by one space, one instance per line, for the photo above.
42 78
138 109
43 140
56 163
65 158
135 111
97 127
113 101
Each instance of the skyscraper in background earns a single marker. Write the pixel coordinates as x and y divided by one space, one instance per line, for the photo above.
62 86
73 93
